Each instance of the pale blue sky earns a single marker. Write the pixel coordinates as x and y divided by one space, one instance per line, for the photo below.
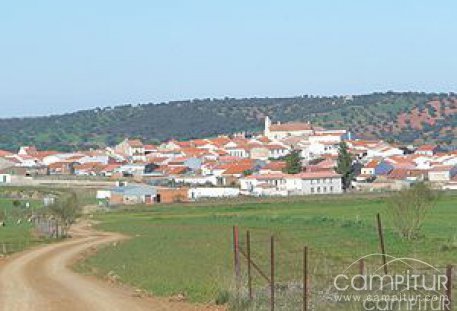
60 56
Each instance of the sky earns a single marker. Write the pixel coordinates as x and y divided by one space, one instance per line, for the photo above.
63 56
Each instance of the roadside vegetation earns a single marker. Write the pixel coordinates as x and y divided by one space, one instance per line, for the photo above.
16 233
19 208
187 249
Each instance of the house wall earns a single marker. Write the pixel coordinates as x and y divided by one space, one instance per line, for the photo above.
283 134
172 195
439 176
367 171
5 178
293 186
207 192
116 199
277 153
321 186
260 153
242 153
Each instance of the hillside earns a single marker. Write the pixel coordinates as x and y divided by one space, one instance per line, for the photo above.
404 117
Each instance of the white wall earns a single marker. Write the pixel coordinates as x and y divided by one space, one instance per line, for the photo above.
208 192
5 178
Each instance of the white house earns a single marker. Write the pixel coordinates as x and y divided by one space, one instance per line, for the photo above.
428 150
442 173
317 149
133 148
321 182
276 151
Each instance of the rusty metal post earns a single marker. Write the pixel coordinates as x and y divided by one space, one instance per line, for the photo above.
248 250
381 241
272 273
305 278
448 305
236 255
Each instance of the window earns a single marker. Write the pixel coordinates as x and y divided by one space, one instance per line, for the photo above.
318 189
312 190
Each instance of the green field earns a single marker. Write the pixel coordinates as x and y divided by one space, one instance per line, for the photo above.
188 249
16 236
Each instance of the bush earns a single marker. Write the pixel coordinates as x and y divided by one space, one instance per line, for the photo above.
409 208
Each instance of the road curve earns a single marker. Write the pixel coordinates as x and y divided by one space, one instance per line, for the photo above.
40 279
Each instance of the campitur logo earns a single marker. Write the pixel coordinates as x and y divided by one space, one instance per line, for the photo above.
411 284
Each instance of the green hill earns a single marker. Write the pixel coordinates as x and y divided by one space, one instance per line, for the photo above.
405 117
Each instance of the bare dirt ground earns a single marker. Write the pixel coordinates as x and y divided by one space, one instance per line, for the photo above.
41 279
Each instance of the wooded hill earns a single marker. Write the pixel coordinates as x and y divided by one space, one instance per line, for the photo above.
404 117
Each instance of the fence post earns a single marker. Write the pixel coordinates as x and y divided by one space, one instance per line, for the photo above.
248 250
361 272
381 241
272 273
448 305
236 253
305 278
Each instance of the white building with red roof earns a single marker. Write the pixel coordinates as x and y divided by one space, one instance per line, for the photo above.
281 184
133 149
282 130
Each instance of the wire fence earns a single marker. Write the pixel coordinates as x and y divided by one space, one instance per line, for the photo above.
275 272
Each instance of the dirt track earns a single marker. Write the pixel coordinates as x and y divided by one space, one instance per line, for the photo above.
40 279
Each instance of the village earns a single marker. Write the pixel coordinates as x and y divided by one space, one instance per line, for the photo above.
230 166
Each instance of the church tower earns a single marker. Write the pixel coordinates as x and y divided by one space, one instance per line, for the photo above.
266 131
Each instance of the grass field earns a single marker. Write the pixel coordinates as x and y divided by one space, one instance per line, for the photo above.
13 236
188 249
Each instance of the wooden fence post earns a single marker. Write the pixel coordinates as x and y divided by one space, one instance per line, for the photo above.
248 249
305 278
272 273
236 255
381 242
362 272
449 274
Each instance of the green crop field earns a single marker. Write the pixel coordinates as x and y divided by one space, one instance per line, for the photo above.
188 249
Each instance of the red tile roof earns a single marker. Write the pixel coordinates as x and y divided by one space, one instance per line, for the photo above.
292 126
275 166
318 174
5 153
135 143
426 148
401 173
372 164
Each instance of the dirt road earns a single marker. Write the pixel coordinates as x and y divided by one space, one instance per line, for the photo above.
40 279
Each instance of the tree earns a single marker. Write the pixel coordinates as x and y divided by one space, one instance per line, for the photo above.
293 162
344 165
409 208
64 210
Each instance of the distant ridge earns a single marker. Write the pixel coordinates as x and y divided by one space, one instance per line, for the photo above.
407 117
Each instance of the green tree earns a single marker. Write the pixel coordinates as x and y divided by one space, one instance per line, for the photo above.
408 209
293 162
344 165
